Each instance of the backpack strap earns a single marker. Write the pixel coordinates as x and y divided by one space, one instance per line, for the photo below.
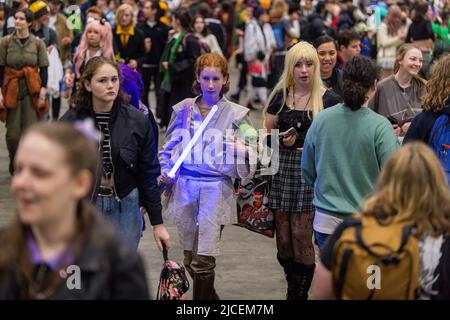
406 233
349 223
343 272
38 44
7 41
185 38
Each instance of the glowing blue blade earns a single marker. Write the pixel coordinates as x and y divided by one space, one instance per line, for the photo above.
191 143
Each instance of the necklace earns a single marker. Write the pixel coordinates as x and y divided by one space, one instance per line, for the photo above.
293 100
402 86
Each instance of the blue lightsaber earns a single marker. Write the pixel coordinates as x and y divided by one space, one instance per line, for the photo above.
191 143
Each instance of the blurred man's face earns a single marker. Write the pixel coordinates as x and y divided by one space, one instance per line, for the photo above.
149 12
44 19
54 7
102 3
93 16
353 49
308 5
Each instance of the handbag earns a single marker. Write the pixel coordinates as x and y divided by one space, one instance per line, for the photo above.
252 200
173 282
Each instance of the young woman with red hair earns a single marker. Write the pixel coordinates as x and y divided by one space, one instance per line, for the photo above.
199 199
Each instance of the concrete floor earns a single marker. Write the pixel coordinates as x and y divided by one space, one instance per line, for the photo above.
247 268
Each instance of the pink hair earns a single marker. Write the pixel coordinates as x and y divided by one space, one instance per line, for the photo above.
106 43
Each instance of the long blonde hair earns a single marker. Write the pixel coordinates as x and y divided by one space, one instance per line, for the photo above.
301 51
412 187
400 55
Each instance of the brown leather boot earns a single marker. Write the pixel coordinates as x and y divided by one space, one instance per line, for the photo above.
187 262
203 268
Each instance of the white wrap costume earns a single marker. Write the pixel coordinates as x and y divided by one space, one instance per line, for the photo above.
202 198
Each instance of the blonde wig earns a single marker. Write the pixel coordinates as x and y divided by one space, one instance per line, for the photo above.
300 51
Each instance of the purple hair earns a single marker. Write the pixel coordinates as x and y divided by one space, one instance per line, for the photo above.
131 83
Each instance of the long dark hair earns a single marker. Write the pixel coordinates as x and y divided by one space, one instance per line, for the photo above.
205 31
325 39
80 154
185 19
82 99
29 15
159 11
420 12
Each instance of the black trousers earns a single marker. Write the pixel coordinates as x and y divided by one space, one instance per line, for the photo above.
150 74
56 107
243 74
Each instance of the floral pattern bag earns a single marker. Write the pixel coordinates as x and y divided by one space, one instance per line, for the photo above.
173 282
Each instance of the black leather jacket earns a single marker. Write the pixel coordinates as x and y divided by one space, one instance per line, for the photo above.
133 154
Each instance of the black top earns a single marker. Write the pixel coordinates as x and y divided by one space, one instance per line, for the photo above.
420 31
47 34
159 34
135 48
218 30
133 154
335 82
422 124
300 120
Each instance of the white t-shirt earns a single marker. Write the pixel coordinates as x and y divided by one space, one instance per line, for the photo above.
325 223
52 22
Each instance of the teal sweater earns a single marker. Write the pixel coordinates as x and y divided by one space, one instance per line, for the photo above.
342 157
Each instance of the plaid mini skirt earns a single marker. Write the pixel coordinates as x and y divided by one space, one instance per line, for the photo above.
289 192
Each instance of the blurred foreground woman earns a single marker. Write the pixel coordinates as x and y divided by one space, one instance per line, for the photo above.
412 191
58 246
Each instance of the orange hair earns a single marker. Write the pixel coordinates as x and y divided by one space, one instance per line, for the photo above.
211 60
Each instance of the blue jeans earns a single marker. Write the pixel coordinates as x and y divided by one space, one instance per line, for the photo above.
320 239
128 221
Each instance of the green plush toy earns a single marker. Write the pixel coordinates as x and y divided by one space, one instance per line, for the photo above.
247 133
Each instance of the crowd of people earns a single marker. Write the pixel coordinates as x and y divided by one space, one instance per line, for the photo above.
354 91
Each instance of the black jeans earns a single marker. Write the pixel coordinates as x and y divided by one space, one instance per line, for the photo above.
56 107
150 74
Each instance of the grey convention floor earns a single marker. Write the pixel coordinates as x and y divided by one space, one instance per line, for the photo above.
247 268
